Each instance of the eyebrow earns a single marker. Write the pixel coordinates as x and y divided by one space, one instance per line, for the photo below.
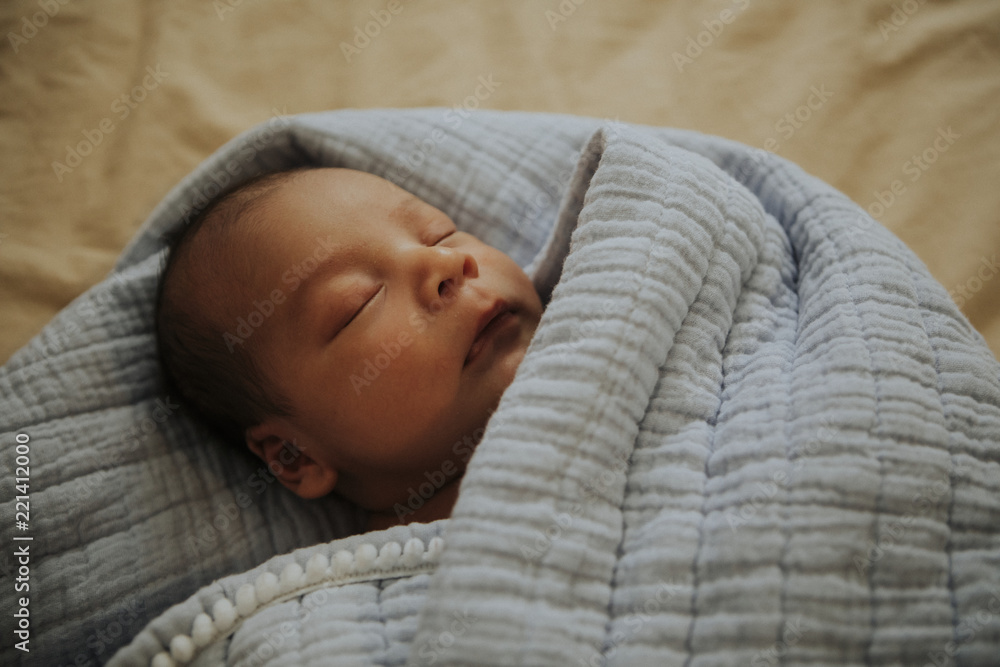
412 211
407 210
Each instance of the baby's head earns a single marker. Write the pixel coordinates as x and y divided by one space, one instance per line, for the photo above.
330 309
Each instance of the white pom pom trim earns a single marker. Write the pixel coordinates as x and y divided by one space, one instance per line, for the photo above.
292 577
246 600
388 556
203 630
413 552
224 614
182 648
163 660
267 588
364 557
316 568
366 562
343 563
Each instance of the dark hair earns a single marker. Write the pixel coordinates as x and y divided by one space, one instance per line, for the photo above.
223 382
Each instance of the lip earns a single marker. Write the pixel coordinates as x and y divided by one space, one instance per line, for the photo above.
490 322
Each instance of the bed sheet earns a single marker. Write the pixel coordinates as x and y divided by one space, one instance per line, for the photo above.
105 106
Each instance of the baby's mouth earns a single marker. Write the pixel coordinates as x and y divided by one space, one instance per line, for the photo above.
490 322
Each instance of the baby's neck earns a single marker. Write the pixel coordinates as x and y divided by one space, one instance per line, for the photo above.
436 507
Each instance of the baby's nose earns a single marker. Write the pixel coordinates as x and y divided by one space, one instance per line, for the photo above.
455 267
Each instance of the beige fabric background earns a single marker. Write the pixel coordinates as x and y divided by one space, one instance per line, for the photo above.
893 77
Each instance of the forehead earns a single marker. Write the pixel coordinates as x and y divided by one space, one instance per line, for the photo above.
349 196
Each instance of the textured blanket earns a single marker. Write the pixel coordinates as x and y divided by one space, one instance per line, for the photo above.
751 429
740 436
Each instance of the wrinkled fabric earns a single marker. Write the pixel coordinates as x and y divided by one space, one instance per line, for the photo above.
750 428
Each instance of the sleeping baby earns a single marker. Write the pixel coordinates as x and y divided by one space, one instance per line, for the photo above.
346 331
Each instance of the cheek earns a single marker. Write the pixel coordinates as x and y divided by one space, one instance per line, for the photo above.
407 361
405 402
424 368
515 279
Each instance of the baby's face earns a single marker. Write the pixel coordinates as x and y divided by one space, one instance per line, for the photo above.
397 343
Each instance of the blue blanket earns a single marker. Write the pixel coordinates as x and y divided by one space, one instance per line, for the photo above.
751 428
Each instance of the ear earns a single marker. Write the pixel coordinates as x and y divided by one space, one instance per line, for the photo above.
304 475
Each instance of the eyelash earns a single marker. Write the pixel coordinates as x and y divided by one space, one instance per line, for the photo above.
380 288
363 306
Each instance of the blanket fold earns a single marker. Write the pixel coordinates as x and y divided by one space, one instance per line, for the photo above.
735 439
750 429
659 228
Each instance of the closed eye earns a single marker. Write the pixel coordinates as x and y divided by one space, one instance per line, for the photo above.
447 235
362 308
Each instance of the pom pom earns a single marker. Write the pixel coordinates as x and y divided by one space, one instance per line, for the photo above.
388 556
163 660
434 550
291 577
364 557
203 630
343 563
246 599
316 568
267 587
224 614
182 648
412 552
